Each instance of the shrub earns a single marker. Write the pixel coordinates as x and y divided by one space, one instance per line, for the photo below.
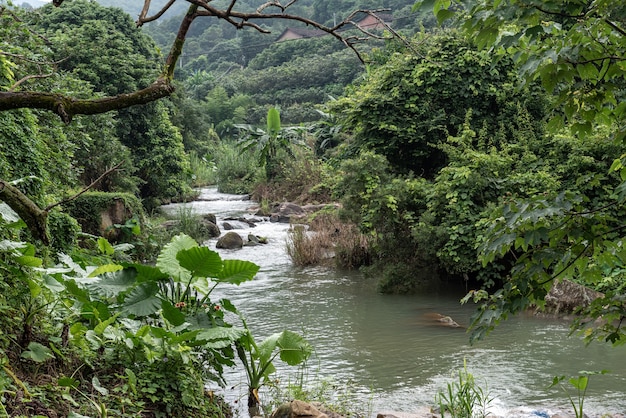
87 210
63 231
204 171
236 171
328 238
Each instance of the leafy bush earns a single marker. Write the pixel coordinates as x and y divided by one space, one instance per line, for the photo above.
236 172
406 108
63 231
464 398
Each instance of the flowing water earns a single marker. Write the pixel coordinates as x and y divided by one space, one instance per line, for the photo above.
390 351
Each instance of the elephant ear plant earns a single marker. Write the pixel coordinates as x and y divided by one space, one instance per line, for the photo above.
258 359
150 316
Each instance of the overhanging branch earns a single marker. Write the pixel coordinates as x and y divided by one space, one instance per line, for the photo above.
67 107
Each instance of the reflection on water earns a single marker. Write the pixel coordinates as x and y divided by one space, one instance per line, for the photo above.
392 348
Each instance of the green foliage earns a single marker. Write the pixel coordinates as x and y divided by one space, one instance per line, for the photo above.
464 398
269 142
126 63
409 105
580 383
224 111
236 172
22 155
148 337
258 359
385 207
570 46
63 230
573 231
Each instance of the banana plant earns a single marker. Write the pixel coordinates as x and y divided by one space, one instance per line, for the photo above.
270 141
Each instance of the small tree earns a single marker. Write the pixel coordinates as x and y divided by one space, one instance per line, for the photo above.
271 141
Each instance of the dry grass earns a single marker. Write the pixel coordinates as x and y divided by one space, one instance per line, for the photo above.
328 240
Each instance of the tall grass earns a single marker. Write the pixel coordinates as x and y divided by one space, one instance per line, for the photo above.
464 398
204 170
237 172
328 239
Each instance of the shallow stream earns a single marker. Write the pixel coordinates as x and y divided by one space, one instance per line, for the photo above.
388 350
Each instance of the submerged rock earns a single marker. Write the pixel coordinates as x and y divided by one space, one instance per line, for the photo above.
421 413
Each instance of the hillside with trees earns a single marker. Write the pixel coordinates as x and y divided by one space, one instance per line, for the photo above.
478 147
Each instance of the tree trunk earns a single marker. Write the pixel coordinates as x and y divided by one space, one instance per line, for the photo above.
34 217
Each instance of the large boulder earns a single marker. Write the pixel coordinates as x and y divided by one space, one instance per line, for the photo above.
565 296
230 241
301 409
111 215
287 211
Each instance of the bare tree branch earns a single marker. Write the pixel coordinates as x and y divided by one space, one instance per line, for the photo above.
67 107
29 77
86 189
143 18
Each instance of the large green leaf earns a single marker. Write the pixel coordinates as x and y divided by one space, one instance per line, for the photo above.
29 261
76 291
237 271
107 268
167 261
112 284
172 314
273 122
200 261
220 337
267 347
37 352
294 349
7 213
146 273
142 300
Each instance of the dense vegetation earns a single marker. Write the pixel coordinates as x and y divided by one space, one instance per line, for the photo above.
488 151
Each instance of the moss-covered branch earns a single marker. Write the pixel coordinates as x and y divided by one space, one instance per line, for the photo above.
34 217
67 107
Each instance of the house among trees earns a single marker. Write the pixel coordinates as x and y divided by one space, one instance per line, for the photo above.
299 33
367 23
370 22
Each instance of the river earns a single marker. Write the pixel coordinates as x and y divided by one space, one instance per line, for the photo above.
384 352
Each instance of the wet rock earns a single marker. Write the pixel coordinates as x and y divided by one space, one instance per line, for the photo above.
230 241
210 229
420 413
287 211
210 217
227 226
298 409
441 320
255 240
248 222
565 296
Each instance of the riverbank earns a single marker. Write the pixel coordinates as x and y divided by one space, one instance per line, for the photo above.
378 351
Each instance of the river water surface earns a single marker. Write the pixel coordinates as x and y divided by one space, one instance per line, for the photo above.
387 348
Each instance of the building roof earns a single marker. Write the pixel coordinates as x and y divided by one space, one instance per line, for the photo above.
299 33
